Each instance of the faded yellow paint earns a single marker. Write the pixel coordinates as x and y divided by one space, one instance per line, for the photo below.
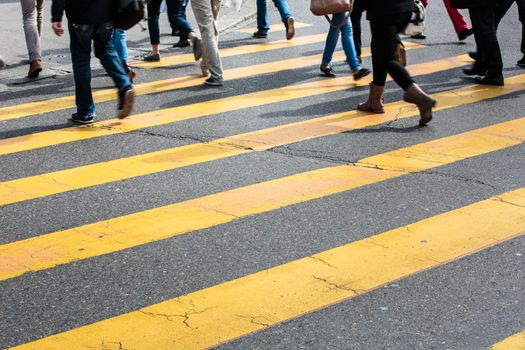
125 168
204 109
132 230
514 342
230 310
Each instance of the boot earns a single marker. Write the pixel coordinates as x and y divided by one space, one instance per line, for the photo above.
424 102
131 73
34 69
374 104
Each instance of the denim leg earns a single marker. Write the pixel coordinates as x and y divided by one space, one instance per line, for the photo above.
263 25
179 17
347 38
283 8
119 41
331 42
80 39
153 21
105 52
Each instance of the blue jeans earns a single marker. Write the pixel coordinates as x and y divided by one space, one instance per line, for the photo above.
119 41
81 36
178 18
263 24
346 38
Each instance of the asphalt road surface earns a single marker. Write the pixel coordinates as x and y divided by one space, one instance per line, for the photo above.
268 213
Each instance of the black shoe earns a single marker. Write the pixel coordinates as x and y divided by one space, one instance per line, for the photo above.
465 33
126 99
419 36
197 48
175 32
82 118
260 35
327 71
473 55
521 63
486 80
182 43
474 71
152 57
361 73
214 81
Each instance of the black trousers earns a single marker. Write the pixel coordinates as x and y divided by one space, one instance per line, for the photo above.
355 17
484 26
384 34
503 8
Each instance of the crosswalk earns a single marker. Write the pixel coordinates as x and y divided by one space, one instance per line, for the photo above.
238 307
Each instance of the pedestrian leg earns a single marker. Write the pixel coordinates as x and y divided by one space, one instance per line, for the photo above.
32 36
263 25
154 30
329 48
286 17
458 21
355 17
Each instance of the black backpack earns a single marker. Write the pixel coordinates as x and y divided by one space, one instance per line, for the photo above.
129 13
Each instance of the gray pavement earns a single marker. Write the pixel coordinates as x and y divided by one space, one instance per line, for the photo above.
467 304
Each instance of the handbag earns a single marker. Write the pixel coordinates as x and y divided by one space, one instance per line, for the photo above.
417 21
129 13
329 7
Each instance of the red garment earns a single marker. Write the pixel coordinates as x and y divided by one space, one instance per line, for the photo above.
455 16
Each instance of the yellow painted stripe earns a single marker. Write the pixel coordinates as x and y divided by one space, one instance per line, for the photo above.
227 311
128 231
166 61
515 342
278 27
125 168
203 109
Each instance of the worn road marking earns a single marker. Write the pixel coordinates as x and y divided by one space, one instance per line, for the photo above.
204 109
49 250
514 342
125 168
233 309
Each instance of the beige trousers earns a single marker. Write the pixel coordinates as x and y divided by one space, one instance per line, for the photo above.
32 17
207 14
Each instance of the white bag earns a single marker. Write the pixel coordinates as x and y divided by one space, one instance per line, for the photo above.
417 22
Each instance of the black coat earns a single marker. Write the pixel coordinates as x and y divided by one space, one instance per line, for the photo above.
466 4
386 8
84 11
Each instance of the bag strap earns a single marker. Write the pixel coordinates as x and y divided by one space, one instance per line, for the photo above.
340 25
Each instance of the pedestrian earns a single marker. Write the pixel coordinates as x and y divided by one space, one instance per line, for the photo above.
341 24
263 24
501 11
387 19
207 15
32 11
488 66
121 47
92 23
181 23
458 21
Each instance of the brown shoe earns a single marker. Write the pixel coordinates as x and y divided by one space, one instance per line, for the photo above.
424 102
131 73
35 67
374 104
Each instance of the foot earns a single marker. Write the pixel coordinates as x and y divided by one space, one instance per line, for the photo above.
473 55
205 72
487 80
465 33
327 71
419 36
290 28
35 67
126 100
361 73
182 43
214 81
175 32
474 71
131 73
82 118
260 35
521 63
197 47
152 57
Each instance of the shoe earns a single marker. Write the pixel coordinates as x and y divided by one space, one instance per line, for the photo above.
260 35
175 32
521 63
197 48
327 70
35 67
131 73
487 80
290 28
424 102
152 57
214 81
82 118
473 55
465 33
374 104
361 73
126 100
474 71
419 36
182 43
